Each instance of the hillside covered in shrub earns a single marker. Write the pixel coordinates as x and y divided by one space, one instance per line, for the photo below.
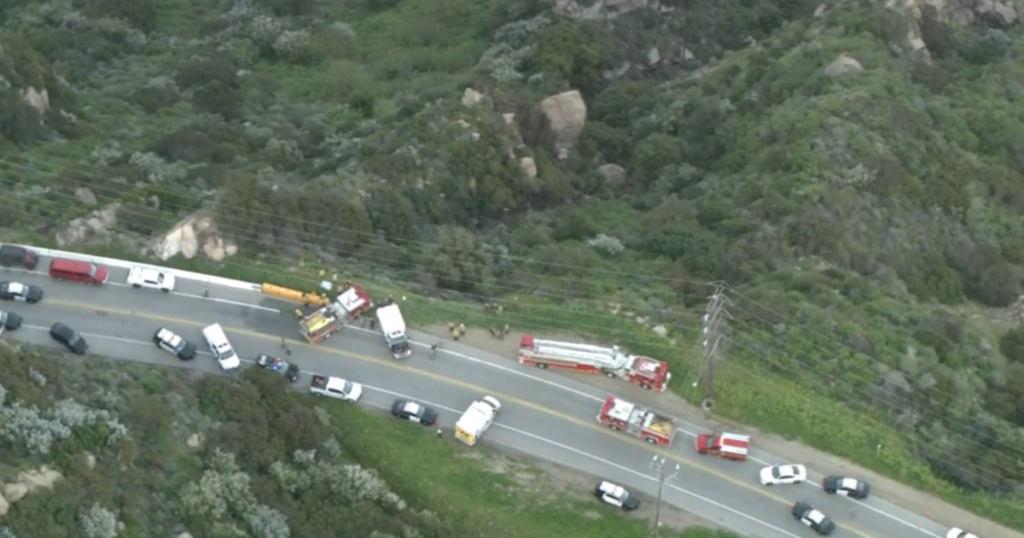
852 170
95 448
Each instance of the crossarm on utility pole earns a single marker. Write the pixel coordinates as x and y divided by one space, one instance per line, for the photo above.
715 318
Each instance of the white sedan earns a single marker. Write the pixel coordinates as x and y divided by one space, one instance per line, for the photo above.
783 474
959 533
141 277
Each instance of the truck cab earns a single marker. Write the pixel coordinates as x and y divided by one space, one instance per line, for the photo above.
392 326
477 419
728 446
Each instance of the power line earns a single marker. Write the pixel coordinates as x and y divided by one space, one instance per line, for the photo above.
359 233
535 318
227 222
440 306
547 320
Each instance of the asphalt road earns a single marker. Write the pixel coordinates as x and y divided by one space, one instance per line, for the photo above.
547 415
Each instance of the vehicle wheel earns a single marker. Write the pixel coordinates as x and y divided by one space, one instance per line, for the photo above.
165 290
542 366
652 440
645 386
610 374
136 286
769 484
614 427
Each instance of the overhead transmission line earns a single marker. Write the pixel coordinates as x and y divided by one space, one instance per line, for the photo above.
709 364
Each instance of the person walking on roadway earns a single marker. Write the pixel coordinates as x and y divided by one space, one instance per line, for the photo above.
440 432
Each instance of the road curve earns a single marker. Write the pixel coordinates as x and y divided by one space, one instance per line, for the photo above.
546 415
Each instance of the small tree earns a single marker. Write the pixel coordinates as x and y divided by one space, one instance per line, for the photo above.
98 522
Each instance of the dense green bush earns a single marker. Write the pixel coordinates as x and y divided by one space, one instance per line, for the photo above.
841 209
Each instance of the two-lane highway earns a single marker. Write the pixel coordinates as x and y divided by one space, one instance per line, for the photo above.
545 414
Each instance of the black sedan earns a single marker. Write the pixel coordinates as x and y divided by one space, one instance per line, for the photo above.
16 291
10 321
69 338
415 412
847 487
285 368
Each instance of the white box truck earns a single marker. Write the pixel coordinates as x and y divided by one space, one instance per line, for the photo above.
475 421
392 326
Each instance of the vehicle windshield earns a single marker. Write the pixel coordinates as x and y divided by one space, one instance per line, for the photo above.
92 270
776 472
227 354
347 388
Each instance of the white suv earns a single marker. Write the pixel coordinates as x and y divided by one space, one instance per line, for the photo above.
142 277
221 348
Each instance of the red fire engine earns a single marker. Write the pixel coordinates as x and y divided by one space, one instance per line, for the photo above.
644 371
322 323
729 446
648 425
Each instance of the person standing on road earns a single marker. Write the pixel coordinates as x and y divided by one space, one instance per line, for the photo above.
440 432
433 351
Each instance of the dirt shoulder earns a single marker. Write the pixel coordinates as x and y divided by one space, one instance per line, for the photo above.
900 494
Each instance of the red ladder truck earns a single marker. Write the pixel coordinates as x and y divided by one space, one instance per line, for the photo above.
646 424
728 446
611 361
324 322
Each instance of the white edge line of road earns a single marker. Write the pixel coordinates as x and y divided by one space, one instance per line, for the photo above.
553 443
597 459
254 287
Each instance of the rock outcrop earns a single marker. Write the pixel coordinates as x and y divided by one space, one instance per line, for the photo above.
97 224
471 97
85 196
187 236
614 174
1000 13
567 113
39 100
843 65
601 9
28 482
528 166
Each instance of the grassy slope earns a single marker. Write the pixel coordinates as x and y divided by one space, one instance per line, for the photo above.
458 483
449 477
746 395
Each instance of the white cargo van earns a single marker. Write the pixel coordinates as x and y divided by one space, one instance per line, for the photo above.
221 348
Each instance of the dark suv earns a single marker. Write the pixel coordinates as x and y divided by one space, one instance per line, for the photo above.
10 321
15 256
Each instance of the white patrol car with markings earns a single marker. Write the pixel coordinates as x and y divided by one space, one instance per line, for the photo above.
616 495
143 277
174 344
16 291
847 487
813 518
